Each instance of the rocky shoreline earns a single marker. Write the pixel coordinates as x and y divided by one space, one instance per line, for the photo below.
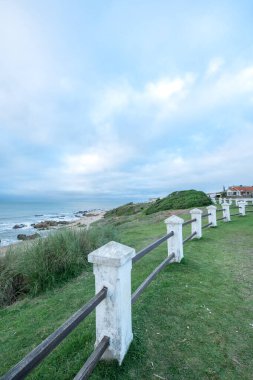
85 219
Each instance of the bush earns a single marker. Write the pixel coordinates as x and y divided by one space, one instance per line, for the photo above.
180 200
48 262
127 209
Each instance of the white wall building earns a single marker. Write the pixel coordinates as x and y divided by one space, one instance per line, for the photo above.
240 191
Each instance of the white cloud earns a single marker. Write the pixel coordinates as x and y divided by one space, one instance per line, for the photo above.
160 98
110 102
214 66
32 83
100 159
164 89
223 163
154 134
101 171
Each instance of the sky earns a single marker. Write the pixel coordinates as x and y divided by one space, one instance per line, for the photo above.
125 98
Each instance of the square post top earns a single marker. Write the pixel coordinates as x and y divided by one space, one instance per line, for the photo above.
196 211
112 254
174 220
211 207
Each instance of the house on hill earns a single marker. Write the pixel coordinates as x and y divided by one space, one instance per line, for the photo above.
240 191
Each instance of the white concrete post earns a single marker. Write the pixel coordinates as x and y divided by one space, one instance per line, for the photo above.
230 201
175 243
241 208
112 266
196 226
220 200
212 217
226 212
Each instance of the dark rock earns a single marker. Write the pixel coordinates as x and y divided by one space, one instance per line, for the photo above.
45 225
63 222
28 237
80 213
19 226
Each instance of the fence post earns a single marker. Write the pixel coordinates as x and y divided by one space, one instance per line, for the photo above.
241 208
226 212
175 243
197 225
212 217
112 264
220 200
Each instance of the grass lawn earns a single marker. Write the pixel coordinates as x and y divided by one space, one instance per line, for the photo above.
195 320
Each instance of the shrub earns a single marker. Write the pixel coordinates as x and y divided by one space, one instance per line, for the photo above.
180 200
127 209
48 262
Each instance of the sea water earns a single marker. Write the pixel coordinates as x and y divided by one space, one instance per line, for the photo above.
29 212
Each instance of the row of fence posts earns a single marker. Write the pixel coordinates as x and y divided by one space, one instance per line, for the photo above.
231 201
112 265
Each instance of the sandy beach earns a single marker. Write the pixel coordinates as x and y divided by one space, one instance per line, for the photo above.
88 219
84 221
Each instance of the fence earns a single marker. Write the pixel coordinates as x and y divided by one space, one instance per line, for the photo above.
113 301
231 201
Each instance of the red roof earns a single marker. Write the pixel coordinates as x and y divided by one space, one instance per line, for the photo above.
241 188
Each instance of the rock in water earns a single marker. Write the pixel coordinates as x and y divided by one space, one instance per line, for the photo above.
19 226
28 237
49 223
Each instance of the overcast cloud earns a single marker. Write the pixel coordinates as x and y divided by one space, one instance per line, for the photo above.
135 98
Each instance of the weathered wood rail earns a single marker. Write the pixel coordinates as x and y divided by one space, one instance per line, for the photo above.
112 266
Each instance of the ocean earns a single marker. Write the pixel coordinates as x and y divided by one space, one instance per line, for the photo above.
29 212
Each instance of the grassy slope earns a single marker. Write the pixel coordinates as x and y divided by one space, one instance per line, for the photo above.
127 209
193 321
179 200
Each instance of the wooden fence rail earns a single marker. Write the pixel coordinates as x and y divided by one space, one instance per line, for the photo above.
112 266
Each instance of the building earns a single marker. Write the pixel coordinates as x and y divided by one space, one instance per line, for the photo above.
240 191
152 199
214 195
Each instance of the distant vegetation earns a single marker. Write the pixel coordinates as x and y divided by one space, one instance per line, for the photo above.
47 262
180 200
127 209
174 201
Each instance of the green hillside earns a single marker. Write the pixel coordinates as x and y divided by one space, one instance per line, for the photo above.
180 200
127 209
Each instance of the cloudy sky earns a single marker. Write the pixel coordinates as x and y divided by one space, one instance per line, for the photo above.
125 97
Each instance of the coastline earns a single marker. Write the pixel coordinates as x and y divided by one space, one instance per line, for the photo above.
82 222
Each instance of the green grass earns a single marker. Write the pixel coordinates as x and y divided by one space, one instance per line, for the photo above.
34 268
127 209
179 200
193 322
